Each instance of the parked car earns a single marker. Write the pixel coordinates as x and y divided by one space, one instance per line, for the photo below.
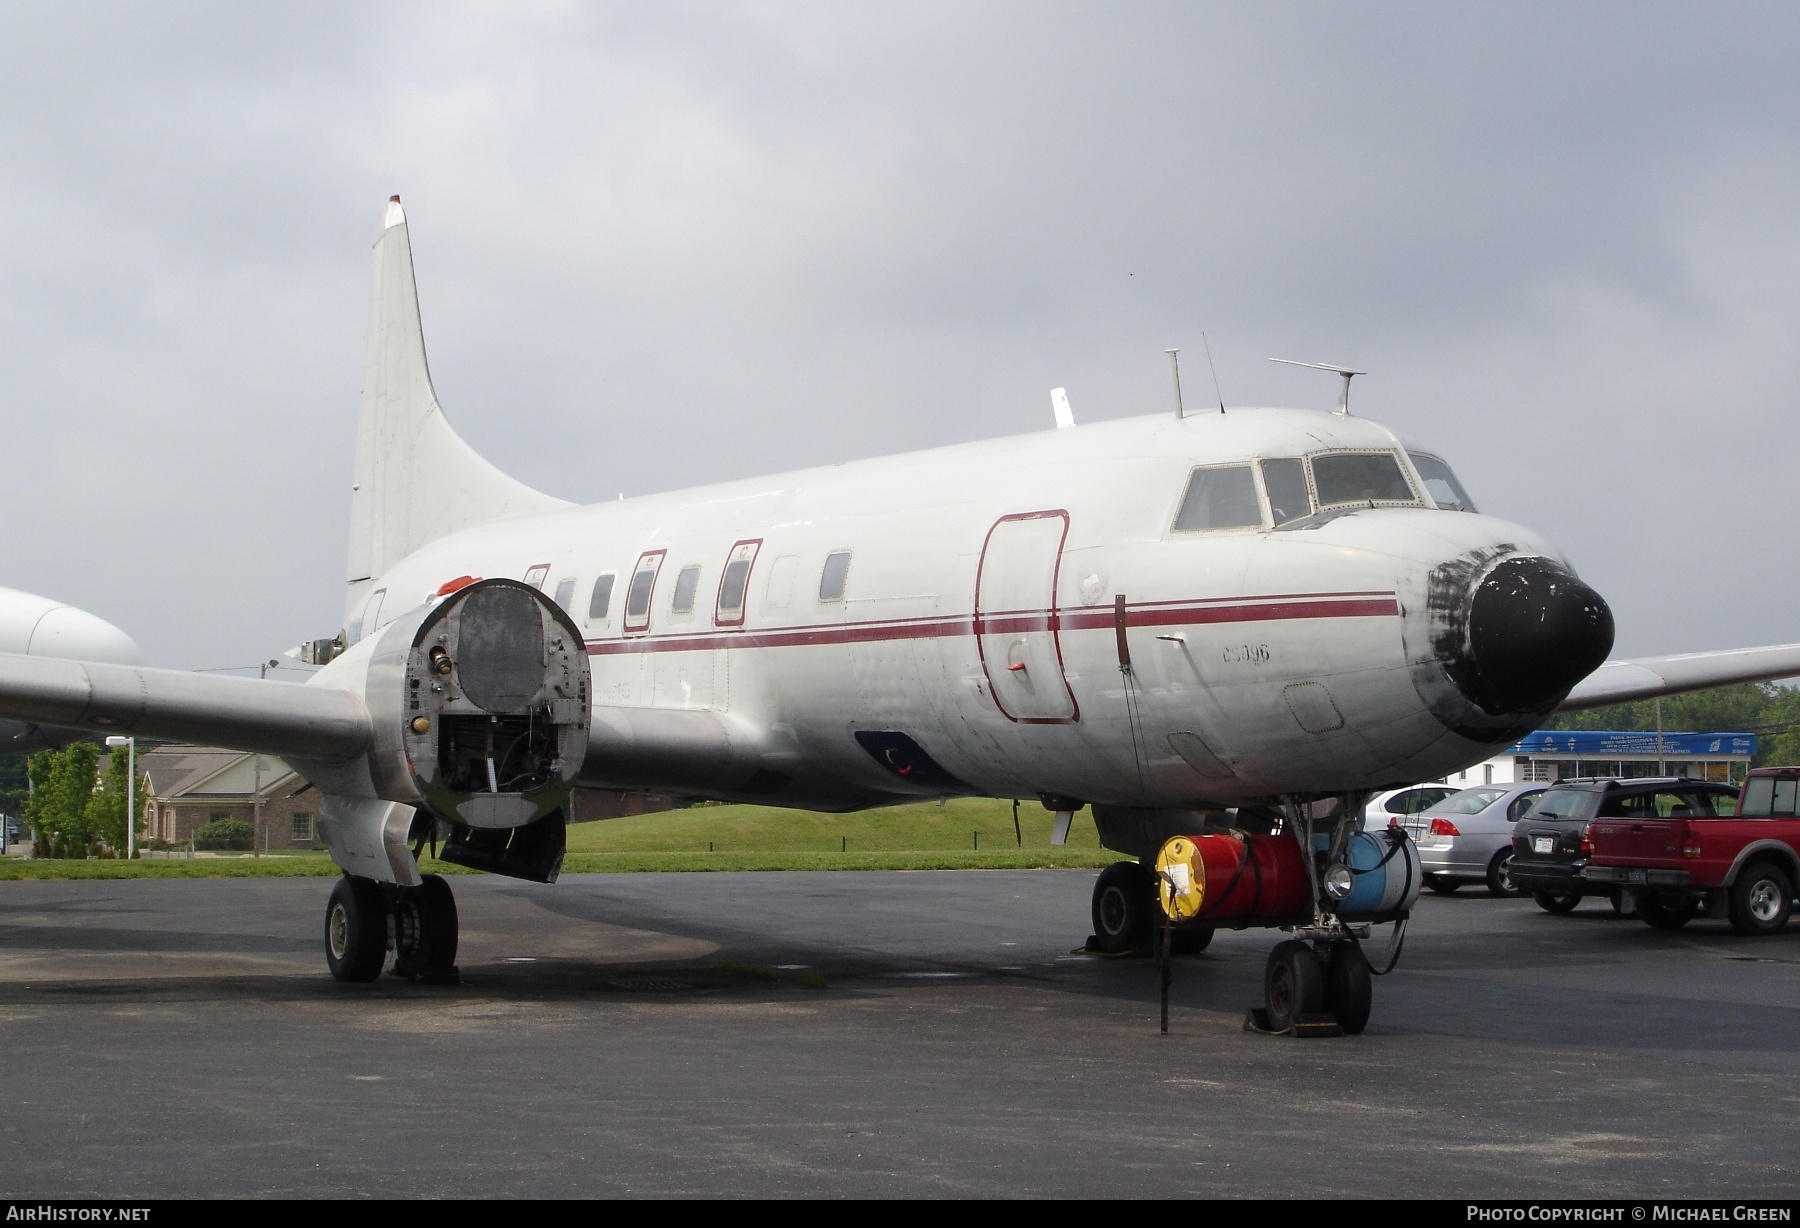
1384 808
1552 843
1467 836
1676 858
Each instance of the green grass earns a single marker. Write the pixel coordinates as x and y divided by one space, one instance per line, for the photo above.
964 834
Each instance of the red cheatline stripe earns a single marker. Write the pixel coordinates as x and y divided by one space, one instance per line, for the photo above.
1149 614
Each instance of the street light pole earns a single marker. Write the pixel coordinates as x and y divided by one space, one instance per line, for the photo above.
130 745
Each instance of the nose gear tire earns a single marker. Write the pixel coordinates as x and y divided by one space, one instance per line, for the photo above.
1349 990
1293 984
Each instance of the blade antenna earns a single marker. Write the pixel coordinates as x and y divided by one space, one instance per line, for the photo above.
1214 370
1343 373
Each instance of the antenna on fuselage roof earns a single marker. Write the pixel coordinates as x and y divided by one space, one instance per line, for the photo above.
1059 405
1343 373
1175 374
1214 370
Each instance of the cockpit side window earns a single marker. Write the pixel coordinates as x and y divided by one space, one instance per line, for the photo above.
1285 480
1440 483
1220 498
1360 477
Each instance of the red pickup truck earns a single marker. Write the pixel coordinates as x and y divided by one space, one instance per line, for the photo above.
1743 866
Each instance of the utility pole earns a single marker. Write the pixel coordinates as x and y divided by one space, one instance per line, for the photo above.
1662 767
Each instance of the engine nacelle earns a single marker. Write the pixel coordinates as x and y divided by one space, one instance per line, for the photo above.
480 708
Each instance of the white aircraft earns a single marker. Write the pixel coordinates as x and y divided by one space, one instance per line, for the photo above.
37 626
1195 624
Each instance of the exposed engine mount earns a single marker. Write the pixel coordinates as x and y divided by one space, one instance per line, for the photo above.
480 712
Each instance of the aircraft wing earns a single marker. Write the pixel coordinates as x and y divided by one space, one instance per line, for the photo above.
1617 682
286 718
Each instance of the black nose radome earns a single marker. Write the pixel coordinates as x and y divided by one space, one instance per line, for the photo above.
1534 632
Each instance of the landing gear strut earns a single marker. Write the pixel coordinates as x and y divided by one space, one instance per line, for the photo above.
423 930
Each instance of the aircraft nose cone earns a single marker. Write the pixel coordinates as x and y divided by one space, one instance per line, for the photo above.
1535 630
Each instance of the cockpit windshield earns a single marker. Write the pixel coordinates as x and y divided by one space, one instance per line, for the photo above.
1441 484
1359 477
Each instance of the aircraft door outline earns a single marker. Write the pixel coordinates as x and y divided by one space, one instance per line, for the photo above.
1018 623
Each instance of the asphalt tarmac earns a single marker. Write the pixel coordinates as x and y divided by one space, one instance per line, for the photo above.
620 1035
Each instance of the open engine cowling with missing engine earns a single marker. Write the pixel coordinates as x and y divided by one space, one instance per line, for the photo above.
480 709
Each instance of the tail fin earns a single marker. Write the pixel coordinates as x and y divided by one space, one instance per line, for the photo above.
416 480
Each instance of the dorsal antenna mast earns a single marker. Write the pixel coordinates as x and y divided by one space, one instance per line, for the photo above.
1175 375
1343 373
1214 370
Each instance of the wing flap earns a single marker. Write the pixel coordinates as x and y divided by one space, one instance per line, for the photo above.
285 718
1619 682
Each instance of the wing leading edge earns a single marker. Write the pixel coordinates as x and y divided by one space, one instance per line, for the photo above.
1618 682
284 718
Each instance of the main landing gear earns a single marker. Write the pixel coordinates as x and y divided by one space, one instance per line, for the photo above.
365 919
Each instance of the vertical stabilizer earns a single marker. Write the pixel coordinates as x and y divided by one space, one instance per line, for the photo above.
416 480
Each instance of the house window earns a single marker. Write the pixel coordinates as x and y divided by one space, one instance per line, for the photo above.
831 579
303 827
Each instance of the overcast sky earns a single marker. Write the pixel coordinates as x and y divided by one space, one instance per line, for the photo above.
660 245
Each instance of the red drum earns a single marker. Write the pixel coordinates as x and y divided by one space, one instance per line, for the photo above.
1234 877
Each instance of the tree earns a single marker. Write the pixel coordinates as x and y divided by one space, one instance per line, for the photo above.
62 783
105 811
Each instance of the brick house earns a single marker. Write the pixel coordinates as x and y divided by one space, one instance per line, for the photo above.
186 787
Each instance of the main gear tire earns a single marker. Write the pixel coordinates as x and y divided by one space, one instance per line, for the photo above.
356 934
1122 909
425 930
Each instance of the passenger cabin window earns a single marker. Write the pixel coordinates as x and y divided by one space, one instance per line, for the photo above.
534 576
687 583
601 600
1285 480
1220 498
734 582
831 579
1441 484
1360 477
643 585
565 594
